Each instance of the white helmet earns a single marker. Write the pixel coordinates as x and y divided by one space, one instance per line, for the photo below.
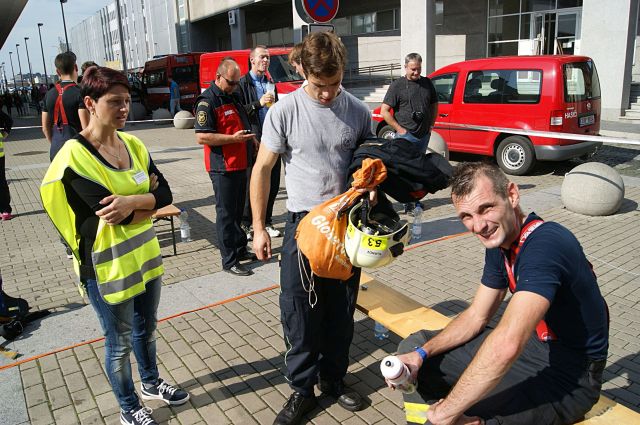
374 243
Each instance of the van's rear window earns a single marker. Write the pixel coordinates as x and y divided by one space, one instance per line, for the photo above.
581 82
503 86
281 71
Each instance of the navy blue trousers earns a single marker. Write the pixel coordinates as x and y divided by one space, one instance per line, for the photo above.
318 338
229 190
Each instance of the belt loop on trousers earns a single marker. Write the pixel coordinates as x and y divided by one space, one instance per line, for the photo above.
294 217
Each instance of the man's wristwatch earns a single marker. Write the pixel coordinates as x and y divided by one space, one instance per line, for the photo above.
422 352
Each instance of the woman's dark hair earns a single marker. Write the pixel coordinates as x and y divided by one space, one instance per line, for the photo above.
98 80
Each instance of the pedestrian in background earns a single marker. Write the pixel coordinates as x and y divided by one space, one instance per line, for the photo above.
103 187
259 93
5 196
222 128
174 97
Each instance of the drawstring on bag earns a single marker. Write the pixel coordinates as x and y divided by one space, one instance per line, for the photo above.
304 273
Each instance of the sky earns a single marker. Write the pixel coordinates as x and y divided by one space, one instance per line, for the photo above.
47 12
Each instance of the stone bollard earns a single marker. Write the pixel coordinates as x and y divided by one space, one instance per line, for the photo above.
593 189
161 114
184 120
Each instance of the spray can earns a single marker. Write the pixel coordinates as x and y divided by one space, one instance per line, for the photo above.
397 373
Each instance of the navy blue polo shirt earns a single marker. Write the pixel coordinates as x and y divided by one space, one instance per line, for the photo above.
551 263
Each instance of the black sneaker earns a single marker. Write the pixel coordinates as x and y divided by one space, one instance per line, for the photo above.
165 392
295 408
349 400
137 416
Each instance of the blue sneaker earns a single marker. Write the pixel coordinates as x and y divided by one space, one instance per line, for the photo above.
138 416
165 392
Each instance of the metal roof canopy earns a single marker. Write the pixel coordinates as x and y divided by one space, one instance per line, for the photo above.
9 13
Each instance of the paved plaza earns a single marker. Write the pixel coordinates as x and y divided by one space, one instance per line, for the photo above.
220 337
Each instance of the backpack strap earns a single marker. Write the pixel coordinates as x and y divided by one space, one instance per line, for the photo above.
58 109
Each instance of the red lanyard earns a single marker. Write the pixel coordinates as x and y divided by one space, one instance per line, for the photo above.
543 331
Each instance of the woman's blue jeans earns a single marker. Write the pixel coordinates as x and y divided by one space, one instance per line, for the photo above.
128 325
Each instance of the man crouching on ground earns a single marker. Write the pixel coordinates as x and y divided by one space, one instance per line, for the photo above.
543 362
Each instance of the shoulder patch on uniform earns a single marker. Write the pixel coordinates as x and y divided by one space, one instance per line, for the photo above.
202 118
203 103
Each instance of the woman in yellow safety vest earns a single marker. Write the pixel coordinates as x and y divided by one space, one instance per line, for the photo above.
100 192
5 196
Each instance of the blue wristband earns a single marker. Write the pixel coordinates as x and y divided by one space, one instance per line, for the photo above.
422 353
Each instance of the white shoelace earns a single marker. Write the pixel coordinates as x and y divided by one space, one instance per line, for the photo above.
166 388
143 415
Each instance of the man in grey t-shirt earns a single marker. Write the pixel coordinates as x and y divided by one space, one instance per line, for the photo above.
316 130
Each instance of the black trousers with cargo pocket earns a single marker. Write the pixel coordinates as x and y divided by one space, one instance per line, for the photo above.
317 338
549 384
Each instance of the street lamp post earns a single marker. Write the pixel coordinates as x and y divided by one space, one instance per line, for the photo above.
12 71
3 78
64 23
20 66
26 47
44 62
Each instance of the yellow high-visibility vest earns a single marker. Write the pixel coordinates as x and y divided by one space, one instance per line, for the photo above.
125 257
1 145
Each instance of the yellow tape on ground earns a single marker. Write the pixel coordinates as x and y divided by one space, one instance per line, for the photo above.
416 412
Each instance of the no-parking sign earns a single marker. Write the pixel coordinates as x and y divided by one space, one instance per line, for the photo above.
321 11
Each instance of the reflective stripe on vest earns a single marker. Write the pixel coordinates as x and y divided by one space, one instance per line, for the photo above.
1 145
416 412
125 257
542 330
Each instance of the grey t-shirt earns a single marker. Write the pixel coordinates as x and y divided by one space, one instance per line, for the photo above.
316 143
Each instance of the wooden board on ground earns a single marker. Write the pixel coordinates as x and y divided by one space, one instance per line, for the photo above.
168 211
404 316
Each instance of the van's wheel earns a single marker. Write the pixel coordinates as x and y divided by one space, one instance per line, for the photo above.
515 155
387 132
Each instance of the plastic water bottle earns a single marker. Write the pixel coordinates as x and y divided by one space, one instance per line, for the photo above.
416 226
185 229
380 332
398 374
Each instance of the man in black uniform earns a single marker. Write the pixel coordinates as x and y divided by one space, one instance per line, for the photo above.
257 98
221 127
71 109
415 105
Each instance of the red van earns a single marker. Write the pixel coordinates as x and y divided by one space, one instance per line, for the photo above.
183 68
285 77
542 93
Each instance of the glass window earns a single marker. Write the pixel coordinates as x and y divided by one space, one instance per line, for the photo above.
342 26
503 86
536 5
444 86
155 79
567 25
384 20
362 23
397 13
185 74
504 28
276 38
280 70
563 4
503 49
439 19
580 82
503 7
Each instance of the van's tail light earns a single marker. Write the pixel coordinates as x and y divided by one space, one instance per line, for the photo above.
556 118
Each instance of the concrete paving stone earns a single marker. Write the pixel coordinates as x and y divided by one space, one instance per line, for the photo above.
99 384
170 335
66 416
213 415
31 376
186 415
83 400
68 364
84 352
194 363
53 379
35 395
251 401
59 398
182 377
199 325
181 348
40 415
212 337
223 397
91 367
238 415
324 419
225 351
107 404
48 363
91 417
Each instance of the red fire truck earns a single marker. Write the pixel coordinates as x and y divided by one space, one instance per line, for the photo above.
183 68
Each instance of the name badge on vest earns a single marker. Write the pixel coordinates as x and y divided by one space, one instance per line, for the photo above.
140 177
